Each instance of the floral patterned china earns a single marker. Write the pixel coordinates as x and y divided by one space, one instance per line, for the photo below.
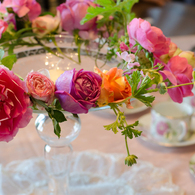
145 125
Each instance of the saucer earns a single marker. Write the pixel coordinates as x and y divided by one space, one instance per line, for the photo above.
144 126
192 165
137 107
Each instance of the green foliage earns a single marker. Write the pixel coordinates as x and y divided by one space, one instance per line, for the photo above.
139 87
108 8
57 128
127 130
7 61
57 104
56 115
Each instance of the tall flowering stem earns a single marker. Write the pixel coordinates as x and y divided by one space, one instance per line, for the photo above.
127 130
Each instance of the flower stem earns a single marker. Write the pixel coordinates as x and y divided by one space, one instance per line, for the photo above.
79 53
184 84
127 147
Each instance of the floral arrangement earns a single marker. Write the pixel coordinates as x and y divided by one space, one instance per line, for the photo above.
22 23
150 63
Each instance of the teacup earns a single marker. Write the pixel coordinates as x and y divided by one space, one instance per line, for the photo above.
171 121
190 101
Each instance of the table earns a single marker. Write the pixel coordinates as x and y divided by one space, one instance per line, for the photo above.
28 144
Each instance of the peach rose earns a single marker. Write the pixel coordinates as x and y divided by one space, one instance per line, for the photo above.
40 87
46 24
115 87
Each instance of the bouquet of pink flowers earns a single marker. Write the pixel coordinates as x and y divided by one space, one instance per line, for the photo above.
150 63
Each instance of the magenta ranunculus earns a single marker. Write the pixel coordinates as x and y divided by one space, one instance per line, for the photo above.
3 27
72 12
40 87
14 103
78 91
23 7
149 37
178 71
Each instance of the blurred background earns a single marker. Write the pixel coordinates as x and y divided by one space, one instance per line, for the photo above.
174 17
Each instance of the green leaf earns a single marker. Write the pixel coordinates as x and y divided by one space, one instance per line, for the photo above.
18 33
57 129
145 84
129 130
1 54
134 80
9 61
108 9
11 49
57 104
59 116
147 100
112 126
105 3
47 13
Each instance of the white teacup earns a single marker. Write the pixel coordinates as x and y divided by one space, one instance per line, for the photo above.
171 121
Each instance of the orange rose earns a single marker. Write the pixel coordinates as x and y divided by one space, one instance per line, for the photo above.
115 87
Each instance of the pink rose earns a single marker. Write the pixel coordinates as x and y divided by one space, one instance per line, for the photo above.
3 27
149 37
72 12
46 24
78 91
23 7
178 71
15 112
40 87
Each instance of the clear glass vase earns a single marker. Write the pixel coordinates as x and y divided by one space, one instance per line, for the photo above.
57 151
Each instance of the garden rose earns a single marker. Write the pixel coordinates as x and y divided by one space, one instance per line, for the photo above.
40 87
178 71
14 104
46 24
3 27
22 7
72 12
115 87
149 37
78 91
